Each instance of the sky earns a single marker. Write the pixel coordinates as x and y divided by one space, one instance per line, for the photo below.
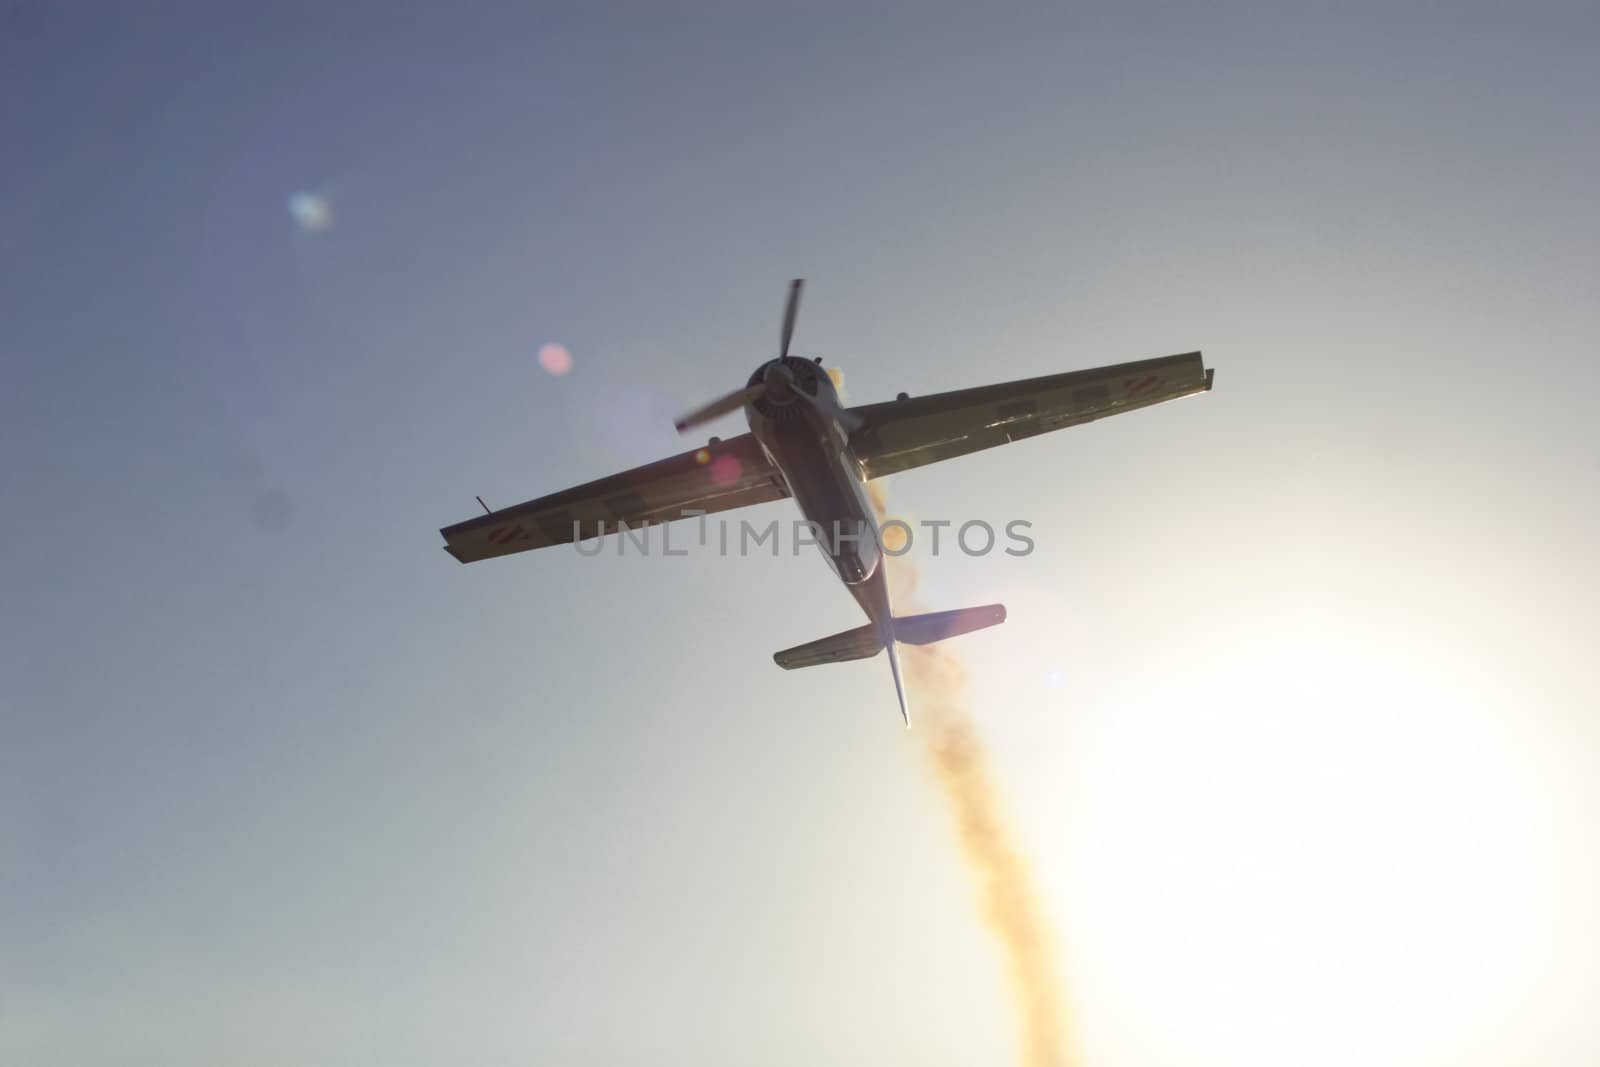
1294 712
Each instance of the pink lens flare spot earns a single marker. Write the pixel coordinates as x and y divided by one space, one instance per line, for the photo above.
725 470
555 359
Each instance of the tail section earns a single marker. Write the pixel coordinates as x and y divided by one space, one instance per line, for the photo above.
867 641
864 642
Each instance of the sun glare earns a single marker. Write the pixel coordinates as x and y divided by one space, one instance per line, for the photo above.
1311 855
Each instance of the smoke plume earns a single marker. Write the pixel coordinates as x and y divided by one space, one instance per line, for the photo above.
961 767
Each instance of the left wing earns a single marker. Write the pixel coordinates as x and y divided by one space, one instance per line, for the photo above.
724 475
902 434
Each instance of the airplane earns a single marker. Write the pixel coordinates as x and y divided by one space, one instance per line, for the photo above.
805 444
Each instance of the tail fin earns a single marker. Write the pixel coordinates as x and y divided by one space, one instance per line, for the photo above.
899 690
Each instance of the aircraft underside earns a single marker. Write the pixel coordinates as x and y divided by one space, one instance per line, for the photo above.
805 444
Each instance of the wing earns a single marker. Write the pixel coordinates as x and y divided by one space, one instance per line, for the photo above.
724 475
902 434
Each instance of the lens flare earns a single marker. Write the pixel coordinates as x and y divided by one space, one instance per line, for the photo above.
725 470
555 359
311 212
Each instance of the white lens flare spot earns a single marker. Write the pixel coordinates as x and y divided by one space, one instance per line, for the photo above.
702 457
312 213
555 359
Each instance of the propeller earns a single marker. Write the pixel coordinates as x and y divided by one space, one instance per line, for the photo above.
719 407
791 311
777 381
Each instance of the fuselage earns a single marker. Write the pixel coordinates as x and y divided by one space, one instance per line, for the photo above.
813 453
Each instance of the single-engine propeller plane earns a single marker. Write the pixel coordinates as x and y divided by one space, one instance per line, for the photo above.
804 443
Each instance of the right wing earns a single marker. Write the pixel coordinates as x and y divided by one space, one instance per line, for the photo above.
901 434
728 474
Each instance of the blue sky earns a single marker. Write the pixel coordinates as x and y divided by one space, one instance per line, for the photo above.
1295 707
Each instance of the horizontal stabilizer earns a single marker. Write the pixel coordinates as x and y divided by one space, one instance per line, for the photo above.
860 643
863 642
938 625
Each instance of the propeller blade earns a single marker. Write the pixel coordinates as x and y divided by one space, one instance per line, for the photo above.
789 313
718 408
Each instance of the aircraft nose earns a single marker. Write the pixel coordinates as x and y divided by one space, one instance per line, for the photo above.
777 378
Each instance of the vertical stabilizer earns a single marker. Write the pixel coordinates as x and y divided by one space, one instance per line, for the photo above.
873 596
899 690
